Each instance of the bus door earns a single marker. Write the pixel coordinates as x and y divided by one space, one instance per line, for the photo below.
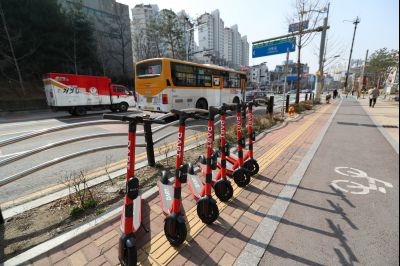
217 87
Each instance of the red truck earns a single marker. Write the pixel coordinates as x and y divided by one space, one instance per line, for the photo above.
79 93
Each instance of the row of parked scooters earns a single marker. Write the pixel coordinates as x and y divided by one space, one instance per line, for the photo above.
214 168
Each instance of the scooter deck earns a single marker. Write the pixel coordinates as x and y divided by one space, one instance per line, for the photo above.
203 169
137 213
195 186
166 196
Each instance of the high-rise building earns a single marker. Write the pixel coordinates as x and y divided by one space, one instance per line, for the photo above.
218 32
228 44
236 46
143 46
206 32
245 51
111 23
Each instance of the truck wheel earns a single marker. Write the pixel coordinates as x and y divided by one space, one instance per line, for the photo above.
71 111
202 104
123 107
79 111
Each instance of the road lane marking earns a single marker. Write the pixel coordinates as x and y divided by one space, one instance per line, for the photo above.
355 187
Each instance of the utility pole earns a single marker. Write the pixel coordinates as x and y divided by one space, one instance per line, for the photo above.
322 52
362 75
284 83
355 22
299 46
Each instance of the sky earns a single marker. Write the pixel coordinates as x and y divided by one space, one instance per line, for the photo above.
263 19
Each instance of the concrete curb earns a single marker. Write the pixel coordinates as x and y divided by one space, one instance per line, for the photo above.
259 241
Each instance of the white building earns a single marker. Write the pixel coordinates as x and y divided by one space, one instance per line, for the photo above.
142 15
228 44
221 45
236 46
245 51
259 76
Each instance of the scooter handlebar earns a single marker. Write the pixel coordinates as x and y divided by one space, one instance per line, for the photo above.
135 118
188 114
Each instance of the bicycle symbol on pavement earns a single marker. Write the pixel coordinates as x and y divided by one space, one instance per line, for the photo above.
358 188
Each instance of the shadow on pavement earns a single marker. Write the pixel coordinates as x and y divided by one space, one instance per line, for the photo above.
337 209
2 242
284 254
339 234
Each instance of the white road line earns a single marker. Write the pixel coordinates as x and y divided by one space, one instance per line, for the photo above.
255 248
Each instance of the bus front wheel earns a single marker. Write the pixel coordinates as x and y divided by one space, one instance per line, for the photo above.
202 104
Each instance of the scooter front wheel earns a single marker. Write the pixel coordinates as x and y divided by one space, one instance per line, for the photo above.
241 177
127 251
207 210
223 189
175 230
252 166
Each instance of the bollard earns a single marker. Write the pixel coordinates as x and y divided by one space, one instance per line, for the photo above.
307 96
287 103
1 217
271 105
148 137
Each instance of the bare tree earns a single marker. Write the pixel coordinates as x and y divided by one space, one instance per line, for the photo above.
305 11
121 30
14 58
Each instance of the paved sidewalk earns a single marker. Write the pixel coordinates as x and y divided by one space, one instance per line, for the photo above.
346 209
279 154
385 113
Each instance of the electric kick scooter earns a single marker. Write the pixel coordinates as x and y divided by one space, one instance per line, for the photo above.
240 175
170 193
222 187
207 208
131 216
249 162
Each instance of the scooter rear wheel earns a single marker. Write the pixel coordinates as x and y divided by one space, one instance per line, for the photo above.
175 231
241 177
223 189
252 166
207 210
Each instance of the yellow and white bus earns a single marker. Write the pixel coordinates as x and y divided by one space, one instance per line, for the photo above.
163 84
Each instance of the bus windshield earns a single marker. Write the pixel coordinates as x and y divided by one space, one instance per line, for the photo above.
149 69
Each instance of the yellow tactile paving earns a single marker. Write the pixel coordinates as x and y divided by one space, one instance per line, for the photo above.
160 252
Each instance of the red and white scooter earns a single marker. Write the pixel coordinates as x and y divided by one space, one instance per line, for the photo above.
131 216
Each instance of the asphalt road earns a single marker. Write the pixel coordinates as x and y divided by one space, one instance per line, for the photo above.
354 221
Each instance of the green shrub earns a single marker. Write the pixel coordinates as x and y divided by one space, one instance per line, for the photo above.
89 204
100 211
76 211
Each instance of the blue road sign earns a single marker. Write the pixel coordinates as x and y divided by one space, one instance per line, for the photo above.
274 48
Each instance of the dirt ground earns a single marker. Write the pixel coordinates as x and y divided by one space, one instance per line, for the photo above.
36 226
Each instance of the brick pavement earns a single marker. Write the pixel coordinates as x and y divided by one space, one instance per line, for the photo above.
280 152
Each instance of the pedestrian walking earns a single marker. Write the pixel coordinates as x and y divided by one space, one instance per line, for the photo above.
373 95
335 93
